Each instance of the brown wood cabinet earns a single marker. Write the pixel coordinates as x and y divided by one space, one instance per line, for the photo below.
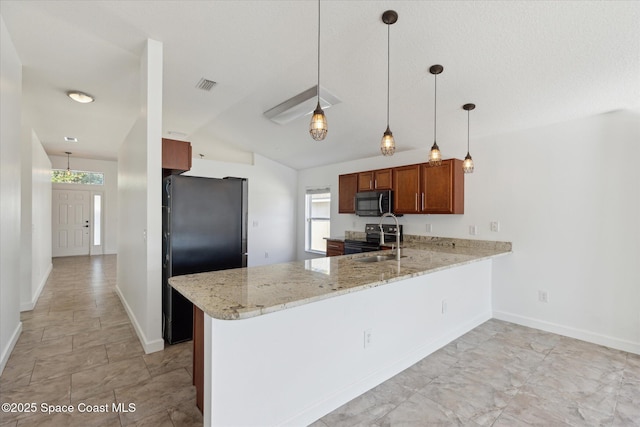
380 179
417 189
176 155
442 188
335 247
347 189
406 188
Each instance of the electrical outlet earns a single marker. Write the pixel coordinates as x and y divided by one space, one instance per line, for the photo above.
495 226
428 228
444 306
473 230
368 338
543 296
255 223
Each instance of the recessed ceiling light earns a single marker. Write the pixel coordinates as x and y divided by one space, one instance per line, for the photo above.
80 97
70 139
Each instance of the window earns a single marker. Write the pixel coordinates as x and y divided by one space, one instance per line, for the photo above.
77 177
97 219
318 216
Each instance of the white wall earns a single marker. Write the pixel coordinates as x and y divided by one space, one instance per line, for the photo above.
271 205
35 259
140 208
567 197
110 190
10 133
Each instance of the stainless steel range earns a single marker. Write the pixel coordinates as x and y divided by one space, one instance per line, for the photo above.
372 240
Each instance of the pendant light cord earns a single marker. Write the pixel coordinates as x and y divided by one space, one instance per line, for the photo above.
318 87
435 106
388 67
468 115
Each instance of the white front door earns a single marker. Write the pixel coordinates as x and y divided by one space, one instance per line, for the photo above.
71 222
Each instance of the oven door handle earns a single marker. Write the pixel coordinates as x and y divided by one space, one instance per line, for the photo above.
380 203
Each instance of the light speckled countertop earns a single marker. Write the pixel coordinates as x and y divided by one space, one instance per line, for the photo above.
247 292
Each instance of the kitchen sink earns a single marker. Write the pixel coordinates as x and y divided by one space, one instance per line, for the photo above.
378 258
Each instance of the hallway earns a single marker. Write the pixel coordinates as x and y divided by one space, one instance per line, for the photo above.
78 345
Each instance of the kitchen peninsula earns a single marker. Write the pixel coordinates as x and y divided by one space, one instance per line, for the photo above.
284 344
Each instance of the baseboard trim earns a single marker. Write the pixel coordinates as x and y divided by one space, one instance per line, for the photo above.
6 353
580 334
28 306
147 345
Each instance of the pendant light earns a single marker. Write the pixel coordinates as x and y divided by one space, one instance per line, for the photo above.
435 157
68 171
467 165
388 144
318 126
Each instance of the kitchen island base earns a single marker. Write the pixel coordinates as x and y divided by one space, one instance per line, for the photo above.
293 366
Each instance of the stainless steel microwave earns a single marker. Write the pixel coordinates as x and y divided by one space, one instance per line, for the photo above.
374 203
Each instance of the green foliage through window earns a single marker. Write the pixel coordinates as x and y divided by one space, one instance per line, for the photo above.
77 177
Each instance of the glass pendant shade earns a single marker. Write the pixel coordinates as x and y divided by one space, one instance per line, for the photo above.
467 165
318 126
388 144
435 158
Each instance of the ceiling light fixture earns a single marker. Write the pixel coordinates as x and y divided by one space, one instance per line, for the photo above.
467 165
68 171
435 157
388 144
318 126
80 97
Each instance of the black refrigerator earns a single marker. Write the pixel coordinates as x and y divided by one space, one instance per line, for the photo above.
204 228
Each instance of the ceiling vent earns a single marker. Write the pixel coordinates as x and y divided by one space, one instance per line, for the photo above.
301 105
70 139
205 84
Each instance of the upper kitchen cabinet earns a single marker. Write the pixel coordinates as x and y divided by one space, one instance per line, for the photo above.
347 189
176 155
406 189
381 179
442 188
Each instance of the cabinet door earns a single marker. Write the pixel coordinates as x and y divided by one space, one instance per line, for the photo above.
347 188
365 181
176 155
382 179
335 248
406 186
442 188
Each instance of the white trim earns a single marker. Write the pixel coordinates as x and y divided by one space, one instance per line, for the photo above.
12 343
148 346
28 306
580 334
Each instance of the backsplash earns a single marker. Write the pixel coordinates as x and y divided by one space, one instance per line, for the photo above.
441 241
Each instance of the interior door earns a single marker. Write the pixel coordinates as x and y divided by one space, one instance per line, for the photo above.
70 222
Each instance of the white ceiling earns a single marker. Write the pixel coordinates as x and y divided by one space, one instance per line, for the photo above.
523 63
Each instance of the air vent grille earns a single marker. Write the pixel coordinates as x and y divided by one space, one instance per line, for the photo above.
205 84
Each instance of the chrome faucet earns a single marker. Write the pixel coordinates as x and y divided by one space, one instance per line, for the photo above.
397 246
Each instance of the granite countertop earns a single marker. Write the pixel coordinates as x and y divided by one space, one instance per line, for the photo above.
248 292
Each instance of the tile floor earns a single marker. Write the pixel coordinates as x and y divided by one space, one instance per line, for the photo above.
78 346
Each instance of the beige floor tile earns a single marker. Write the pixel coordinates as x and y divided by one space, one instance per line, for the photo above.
108 377
173 357
70 329
186 414
156 394
124 350
41 349
52 392
105 335
69 363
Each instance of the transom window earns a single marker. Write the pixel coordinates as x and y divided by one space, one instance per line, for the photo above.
77 177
